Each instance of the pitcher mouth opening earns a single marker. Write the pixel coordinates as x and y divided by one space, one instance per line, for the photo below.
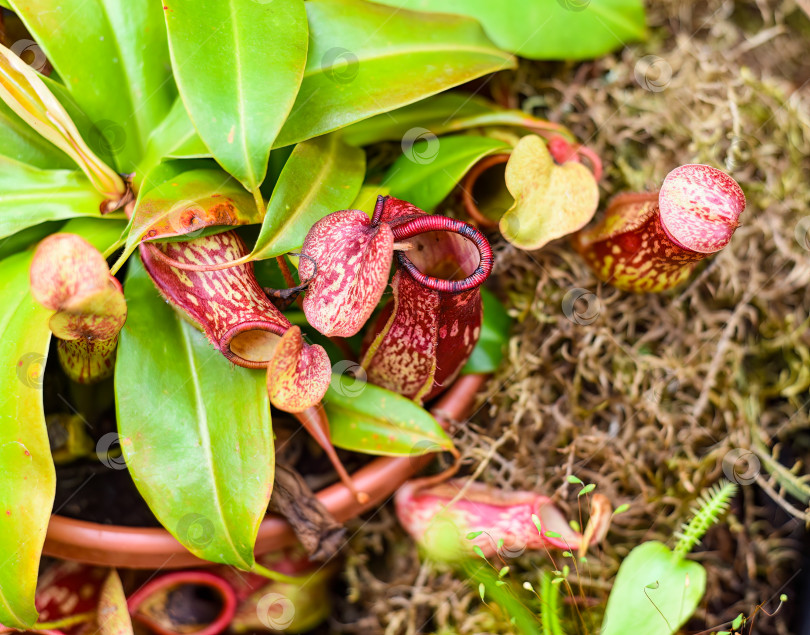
461 261
251 344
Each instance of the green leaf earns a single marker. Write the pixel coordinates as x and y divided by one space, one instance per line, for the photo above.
186 202
29 196
430 167
23 239
195 430
542 29
87 129
113 59
372 420
31 98
365 59
445 113
27 480
238 65
438 114
495 328
22 143
321 176
175 138
634 606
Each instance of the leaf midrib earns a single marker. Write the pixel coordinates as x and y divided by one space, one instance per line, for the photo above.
204 434
310 196
35 194
240 89
128 82
491 52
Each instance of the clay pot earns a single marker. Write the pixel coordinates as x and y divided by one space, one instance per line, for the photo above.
156 548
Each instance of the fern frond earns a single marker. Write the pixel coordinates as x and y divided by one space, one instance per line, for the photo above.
550 606
709 509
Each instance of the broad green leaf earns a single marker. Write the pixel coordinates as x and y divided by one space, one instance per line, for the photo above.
174 138
437 114
24 238
365 59
442 114
655 592
29 196
24 91
113 58
195 429
430 167
27 480
495 327
548 29
186 202
238 65
321 176
21 142
100 142
373 420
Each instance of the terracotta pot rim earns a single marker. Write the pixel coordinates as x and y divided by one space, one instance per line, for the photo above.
155 548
